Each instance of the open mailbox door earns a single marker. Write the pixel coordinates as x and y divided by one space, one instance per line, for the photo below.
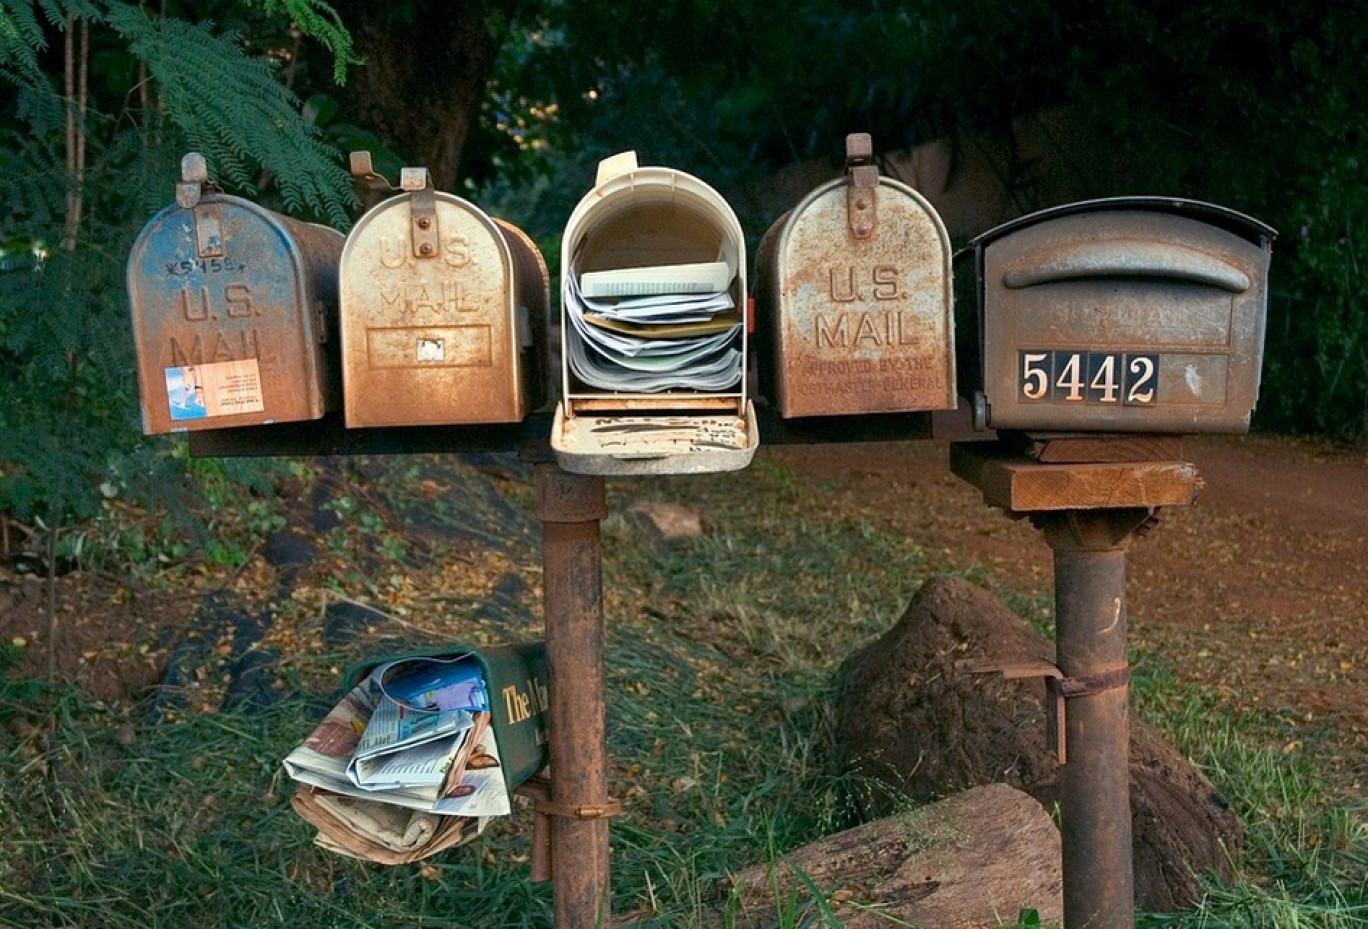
654 340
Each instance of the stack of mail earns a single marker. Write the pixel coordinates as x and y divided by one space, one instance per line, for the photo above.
652 329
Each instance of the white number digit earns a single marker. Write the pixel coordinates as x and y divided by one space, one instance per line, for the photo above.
1142 387
1035 381
1104 380
1071 377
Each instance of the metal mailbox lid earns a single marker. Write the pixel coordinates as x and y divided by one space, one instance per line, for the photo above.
232 306
858 323
1140 314
436 316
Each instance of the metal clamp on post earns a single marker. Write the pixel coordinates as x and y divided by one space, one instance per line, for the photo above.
861 197
538 790
1058 690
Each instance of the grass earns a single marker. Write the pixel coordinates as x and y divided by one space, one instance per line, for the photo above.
720 658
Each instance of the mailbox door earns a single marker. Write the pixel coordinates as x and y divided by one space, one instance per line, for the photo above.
860 323
231 308
1118 318
429 322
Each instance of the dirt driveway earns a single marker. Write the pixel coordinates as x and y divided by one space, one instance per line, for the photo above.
1258 591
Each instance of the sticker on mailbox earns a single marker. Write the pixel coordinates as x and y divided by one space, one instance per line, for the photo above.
1122 378
221 388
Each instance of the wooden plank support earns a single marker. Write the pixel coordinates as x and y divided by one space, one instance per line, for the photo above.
1016 483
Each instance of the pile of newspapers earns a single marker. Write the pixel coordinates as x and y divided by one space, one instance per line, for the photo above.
653 329
405 765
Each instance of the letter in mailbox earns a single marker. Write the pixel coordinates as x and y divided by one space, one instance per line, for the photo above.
1135 314
232 306
653 285
444 312
854 299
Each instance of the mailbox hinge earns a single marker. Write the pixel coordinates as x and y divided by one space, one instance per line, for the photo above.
208 214
1058 690
861 194
422 212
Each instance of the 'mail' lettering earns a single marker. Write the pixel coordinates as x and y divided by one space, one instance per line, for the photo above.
227 346
863 330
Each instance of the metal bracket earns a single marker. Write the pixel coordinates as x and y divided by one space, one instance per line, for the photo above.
538 790
1058 690
861 194
208 215
417 182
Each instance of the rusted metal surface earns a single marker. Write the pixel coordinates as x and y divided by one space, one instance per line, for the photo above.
854 300
444 314
234 313
570 508
1124 315
1090 650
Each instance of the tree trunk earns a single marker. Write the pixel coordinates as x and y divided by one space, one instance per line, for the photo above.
425 72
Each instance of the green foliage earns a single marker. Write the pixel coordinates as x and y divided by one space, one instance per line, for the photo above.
82 175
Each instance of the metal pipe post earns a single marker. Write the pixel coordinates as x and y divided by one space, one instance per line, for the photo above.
570 507
1094 783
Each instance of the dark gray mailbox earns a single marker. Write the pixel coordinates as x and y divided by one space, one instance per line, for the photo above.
444 312
233 306
1136 314
853 299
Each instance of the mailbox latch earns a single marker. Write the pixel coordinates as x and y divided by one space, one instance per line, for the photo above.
422 212
861 204
207 214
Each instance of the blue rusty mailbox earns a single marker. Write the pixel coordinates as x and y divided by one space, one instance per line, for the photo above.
234 311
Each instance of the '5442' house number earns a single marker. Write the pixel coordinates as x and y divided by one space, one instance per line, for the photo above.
1122 378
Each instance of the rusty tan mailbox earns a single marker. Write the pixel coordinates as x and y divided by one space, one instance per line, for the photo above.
654 343
853 297
1135 314
443 312
233 308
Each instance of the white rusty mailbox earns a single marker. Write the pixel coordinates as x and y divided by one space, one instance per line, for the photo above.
234 311
1133 314
853 297
654 341
443 312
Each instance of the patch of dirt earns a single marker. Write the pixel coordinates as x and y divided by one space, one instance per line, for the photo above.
1256 592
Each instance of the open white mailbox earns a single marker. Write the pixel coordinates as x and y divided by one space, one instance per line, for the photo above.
653 328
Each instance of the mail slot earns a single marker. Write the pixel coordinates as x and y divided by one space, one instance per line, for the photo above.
233 308
853 299
444 312
1136 314
653 288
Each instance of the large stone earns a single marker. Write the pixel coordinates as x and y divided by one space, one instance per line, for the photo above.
973 861
923 727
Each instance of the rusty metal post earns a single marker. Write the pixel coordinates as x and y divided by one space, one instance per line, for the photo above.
1089 549
570 507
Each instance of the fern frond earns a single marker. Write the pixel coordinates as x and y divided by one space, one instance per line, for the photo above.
21 40
232 109
318 20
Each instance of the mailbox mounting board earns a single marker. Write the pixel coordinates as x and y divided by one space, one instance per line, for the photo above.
1137 314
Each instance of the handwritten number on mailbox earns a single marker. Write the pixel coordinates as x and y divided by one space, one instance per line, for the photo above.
1088 377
